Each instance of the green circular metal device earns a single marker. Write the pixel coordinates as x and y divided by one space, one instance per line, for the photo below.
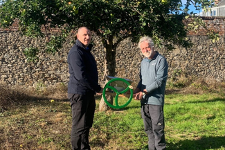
118 92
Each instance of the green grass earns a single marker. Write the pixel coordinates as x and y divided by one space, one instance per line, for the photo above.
193 122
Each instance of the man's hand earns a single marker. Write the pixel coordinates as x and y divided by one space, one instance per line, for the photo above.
100 92
138 96
145 91
136 93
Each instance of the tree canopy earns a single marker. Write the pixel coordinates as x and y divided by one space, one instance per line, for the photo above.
160 19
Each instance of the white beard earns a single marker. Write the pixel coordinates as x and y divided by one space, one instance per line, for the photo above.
148 54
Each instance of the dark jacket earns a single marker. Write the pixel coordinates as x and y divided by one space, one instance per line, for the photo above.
83 70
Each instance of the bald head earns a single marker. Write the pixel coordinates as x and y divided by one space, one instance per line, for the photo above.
84 35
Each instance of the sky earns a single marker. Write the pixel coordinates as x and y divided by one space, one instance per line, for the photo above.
192 8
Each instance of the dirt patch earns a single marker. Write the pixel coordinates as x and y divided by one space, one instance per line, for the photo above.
14 96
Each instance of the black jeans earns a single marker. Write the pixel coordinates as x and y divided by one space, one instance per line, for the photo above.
153 118
83 108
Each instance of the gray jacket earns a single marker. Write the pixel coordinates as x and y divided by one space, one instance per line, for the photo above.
153 76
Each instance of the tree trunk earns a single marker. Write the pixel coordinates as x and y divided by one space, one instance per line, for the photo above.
110 65
102 105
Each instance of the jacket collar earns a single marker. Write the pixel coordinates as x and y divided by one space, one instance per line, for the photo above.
156 54
88 48
154 57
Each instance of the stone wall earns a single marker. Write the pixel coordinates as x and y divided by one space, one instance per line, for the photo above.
204 60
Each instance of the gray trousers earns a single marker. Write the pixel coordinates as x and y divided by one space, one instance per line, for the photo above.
153 118
83 108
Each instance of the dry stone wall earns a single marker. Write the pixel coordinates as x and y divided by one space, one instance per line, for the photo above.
204 60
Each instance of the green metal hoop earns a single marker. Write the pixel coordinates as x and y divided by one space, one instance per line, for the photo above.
129 87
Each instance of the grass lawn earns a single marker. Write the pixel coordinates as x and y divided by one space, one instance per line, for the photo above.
193 122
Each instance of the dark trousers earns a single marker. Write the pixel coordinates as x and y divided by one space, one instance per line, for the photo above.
153 118
83 108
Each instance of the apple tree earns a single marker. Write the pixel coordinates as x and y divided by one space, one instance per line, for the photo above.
112 20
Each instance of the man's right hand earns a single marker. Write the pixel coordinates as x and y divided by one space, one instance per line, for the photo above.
100 92
138 96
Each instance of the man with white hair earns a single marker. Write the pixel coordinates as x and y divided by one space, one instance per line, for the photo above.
151 90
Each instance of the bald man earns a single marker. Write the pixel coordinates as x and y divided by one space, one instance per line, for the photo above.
82 86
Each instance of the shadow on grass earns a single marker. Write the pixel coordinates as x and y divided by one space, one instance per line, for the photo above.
208 101
16 96
128 107
201 144
171 91
23 99
204 143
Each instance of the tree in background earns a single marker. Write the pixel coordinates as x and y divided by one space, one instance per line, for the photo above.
112 20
